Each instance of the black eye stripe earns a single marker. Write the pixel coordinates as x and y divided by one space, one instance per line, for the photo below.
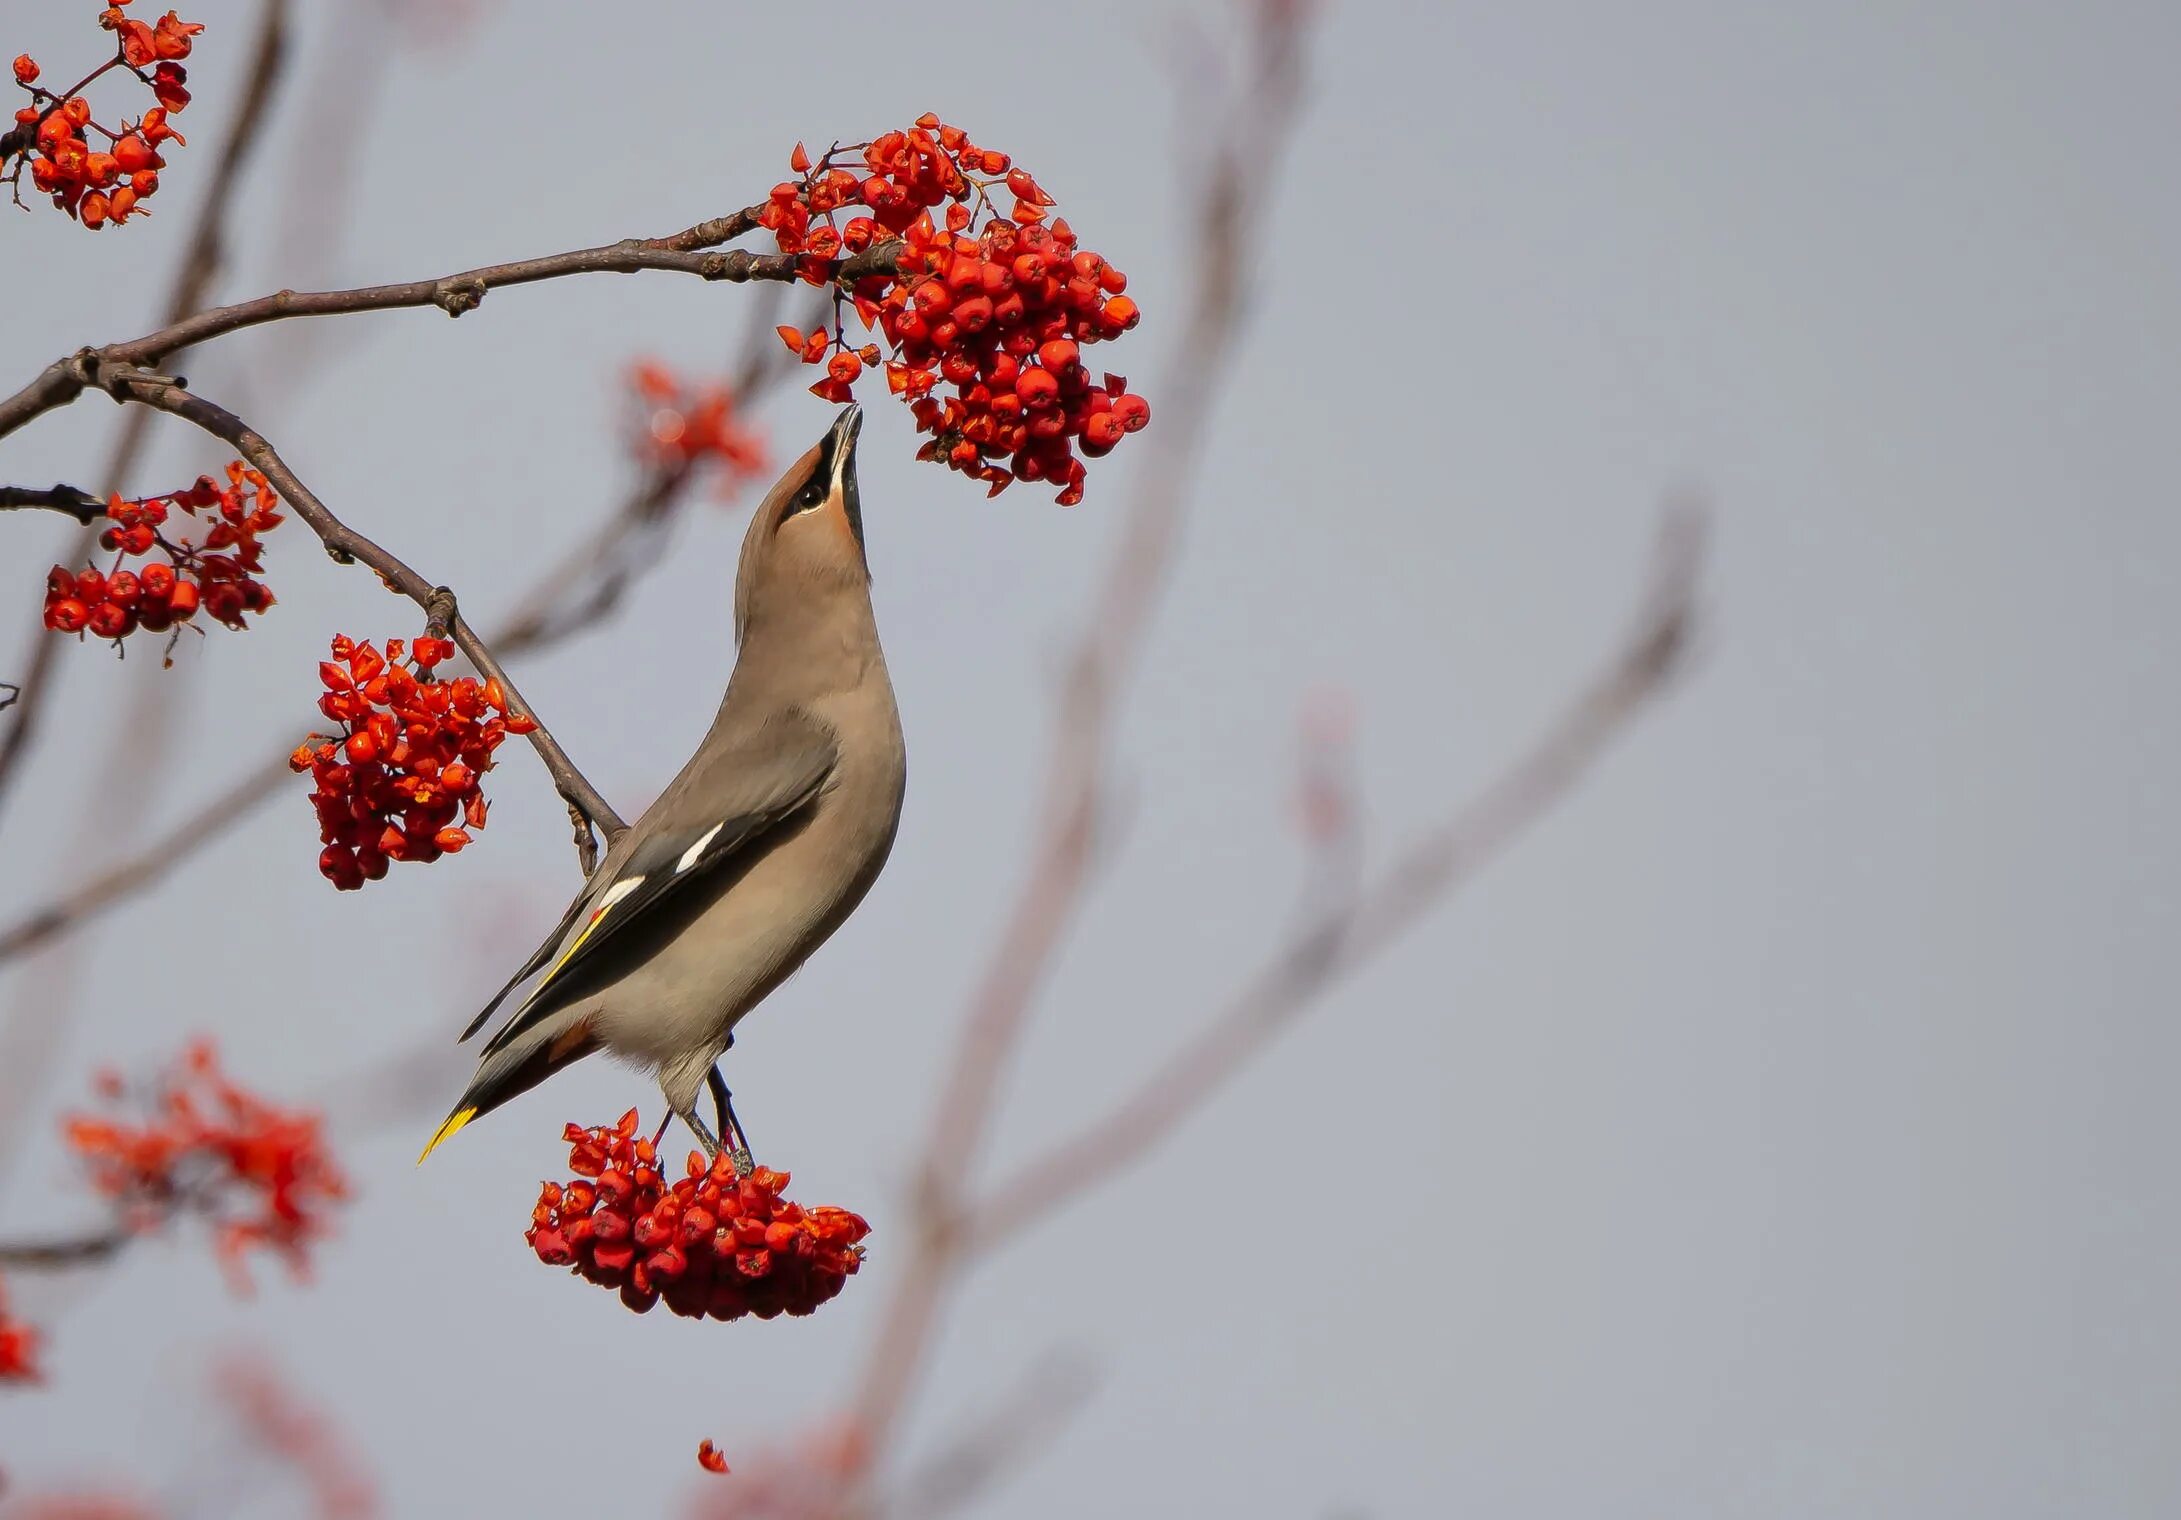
811 496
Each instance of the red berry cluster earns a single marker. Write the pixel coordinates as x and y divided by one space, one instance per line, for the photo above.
109 184
18 1346
220 574
405 766
998 308
713 1243
681 426
260 1174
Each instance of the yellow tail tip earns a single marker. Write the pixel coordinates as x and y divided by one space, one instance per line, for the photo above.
455 1121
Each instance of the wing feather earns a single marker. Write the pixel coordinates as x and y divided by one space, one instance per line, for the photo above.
734 791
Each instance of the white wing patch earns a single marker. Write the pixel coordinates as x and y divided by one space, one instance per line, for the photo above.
695 852
617 891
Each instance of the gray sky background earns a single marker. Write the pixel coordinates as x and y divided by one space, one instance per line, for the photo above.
1785 1129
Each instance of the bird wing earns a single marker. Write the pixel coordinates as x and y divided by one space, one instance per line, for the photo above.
734 792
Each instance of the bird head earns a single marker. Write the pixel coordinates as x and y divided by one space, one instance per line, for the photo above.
805 541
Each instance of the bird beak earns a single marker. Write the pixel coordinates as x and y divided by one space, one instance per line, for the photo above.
840 445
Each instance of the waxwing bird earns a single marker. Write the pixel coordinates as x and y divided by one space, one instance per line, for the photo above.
755 853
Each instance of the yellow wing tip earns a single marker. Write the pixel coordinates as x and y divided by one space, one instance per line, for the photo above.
455 1121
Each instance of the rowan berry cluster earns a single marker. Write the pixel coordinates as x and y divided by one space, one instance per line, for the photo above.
999 307
713 1243
18 1346
681 426
400 780
219 574
97 185
259 1174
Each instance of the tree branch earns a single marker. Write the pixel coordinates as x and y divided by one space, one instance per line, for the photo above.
56 1255
1362 924
684 252
67 500
345 544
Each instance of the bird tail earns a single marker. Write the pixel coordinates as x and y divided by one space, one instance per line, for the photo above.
515 1068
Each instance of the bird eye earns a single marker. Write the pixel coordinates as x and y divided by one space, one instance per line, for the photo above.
810 495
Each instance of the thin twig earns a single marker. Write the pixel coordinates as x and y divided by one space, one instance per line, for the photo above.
158 860
57 1255
1358 927
346 544
67 500
1029 1415
684 252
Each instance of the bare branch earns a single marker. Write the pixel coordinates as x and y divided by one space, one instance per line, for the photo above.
141 872
683 252
1348 933
62 1253
66 500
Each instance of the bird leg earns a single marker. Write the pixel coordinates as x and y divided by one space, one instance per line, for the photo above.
729 1126
708 1141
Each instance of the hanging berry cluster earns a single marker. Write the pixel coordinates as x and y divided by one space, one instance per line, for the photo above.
999 307
97 185
219 573
399 781
258 1173
18 1346
713 1243
683 426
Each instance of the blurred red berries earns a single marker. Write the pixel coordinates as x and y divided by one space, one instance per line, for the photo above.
683 426
18 1346
998 306
711 1243
218 574
259 1174
400 780
110 184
